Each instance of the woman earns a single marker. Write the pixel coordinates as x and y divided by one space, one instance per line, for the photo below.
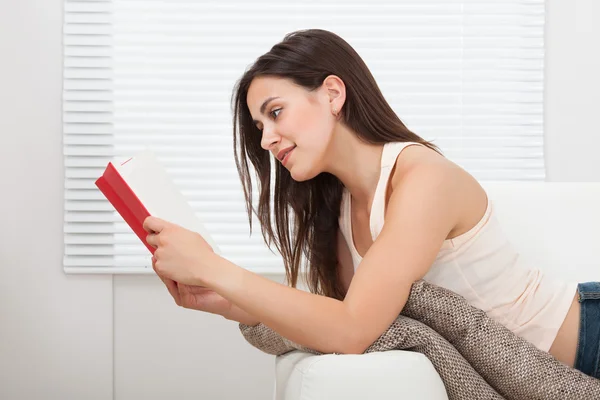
371 207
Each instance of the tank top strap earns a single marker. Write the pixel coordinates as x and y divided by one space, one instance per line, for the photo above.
390 153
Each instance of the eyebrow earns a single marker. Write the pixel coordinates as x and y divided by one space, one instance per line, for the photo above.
264 106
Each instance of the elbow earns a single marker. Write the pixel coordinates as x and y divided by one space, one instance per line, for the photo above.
357 349
355 344
355 338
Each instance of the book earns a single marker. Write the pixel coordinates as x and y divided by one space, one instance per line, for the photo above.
141 187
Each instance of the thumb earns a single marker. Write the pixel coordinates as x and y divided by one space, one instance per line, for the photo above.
153 224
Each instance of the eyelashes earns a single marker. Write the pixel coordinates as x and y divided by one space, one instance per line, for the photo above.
272 114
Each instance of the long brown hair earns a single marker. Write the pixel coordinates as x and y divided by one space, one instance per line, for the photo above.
306 213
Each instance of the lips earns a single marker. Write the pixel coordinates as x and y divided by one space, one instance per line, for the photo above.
282 153
286 156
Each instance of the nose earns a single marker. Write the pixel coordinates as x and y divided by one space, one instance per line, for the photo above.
269 138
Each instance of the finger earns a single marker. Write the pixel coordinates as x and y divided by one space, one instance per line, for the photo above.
153 224
185 294
155 270
173 290
160 272
198 289
169 283
152 240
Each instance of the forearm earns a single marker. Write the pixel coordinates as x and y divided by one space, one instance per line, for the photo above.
318 322
239 315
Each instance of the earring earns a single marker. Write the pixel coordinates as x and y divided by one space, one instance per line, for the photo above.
335 112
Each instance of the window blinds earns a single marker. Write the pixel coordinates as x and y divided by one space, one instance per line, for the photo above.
159 74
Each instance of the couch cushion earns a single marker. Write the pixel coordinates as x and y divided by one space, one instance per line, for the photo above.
386 375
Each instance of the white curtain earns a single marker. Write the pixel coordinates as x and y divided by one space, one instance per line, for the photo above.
160 75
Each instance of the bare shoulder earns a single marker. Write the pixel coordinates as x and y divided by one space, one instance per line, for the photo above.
421 171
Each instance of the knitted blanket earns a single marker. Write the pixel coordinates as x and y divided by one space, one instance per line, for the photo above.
476 357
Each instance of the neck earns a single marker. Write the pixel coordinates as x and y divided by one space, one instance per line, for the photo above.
356 164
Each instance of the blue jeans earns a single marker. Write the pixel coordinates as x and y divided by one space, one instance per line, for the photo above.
588 347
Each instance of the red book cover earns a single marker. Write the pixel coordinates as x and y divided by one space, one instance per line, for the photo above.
125 201
140 187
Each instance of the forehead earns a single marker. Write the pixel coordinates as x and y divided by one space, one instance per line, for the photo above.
268 85
264 87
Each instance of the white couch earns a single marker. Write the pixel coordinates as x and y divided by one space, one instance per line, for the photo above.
554 225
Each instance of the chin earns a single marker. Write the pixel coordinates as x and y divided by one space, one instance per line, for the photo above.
302 175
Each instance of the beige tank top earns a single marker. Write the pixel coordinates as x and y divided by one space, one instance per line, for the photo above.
482 266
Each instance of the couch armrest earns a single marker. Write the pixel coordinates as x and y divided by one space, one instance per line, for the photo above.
389 375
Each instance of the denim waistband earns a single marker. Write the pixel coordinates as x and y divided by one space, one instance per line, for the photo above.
587 359
588 291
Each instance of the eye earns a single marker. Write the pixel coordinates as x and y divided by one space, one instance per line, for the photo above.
274 111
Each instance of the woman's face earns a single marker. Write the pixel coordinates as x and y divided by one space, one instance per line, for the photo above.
289 116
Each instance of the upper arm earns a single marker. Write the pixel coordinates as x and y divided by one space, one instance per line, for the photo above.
421 211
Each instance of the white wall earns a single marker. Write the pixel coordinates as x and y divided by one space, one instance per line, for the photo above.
56 332
572 94
161 349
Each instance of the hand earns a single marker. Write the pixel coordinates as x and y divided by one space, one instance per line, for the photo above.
181 255
196 297
204 299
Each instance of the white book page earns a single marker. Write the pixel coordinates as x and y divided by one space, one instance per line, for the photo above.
155 189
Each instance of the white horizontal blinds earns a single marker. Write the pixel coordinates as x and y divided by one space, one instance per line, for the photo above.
467 74
88 133
503 65
174 73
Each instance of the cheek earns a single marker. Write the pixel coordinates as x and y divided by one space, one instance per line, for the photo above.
312 128
304 122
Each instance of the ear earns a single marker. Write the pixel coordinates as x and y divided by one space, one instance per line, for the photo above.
336 92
